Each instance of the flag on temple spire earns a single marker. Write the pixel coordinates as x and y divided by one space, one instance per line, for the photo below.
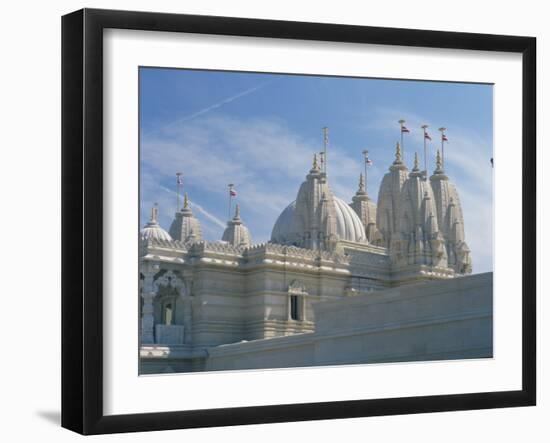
232 192
444 137
427 136
404 128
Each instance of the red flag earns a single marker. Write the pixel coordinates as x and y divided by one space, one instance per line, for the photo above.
232 192
444 138
404 129
427 136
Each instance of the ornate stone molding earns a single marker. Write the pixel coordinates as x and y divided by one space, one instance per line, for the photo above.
169 279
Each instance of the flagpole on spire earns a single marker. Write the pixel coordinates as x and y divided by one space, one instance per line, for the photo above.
231 192
367 161
426 136
325 146
179 182
443 140
403 130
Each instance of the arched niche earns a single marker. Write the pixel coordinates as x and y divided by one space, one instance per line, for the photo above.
168 305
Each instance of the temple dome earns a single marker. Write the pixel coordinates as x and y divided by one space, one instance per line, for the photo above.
348 224
152 230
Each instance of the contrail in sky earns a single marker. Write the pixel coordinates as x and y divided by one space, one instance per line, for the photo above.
203 211
211 107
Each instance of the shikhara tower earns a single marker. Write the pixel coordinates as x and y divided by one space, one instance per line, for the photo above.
197 295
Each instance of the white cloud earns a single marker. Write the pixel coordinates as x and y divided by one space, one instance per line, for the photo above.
211 107
263 158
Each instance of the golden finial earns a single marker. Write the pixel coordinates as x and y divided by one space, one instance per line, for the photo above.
185 201
397 153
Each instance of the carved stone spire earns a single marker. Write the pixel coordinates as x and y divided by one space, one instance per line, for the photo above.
438 164
186 227
237 216
450 220
315 167
236 232
415 172
397 154
361 189
154 214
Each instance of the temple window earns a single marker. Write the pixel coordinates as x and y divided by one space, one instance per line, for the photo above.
294 308
168 314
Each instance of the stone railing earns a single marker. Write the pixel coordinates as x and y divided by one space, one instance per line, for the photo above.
293 252
202 247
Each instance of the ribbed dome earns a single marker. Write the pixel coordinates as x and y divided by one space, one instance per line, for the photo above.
348 225
152 230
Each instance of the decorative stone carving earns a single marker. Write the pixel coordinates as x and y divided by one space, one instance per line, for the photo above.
169 279
148 293
366 210
297 287
389 195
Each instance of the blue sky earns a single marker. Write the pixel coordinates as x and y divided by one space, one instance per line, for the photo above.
259 131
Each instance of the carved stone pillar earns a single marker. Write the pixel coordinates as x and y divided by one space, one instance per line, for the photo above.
188 318
148 293
147 318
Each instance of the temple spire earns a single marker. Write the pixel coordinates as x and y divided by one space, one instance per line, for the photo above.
415 168
397 154
179 183
237 212
315 167
154 213
185 201
438 165
361 184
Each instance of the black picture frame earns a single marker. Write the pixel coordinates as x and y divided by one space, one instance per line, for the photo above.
82 216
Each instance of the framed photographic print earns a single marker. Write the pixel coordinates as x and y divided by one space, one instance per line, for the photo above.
269 221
